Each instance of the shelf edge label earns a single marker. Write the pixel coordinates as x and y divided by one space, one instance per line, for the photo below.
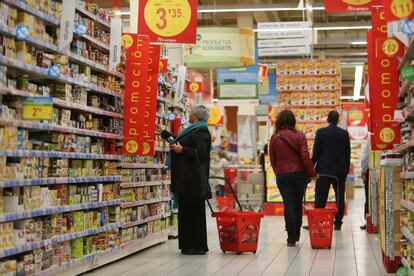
67 22
115 46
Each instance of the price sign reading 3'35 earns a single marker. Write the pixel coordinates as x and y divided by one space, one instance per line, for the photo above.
173 21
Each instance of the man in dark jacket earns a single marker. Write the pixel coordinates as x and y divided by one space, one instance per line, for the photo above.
332 155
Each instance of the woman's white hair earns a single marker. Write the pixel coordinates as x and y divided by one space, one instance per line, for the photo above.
201 112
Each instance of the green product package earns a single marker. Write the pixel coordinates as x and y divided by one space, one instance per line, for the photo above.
76 247
407 72
402 271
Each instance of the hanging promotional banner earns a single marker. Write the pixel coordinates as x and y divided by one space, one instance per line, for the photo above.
115 45
150 102
67 22
357 121
163 66
168 21
136 76
389 47
262 72
396 10
194 86
350 5
383 85
180 84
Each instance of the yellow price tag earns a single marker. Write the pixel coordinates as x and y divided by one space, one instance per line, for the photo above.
357 2
387 135
194 87
215 115
167 18
37 112
390 47
131 146
402 8
127 41
146 148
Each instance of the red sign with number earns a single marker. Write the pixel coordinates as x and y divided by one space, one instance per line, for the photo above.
396 10
194 86
150 101
383 86
136 76
168 21
389 47
350 5
163 66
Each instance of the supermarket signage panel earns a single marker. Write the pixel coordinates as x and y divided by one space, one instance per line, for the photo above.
168 21
284 51
67 22
350 5
237 91
221 47
37 108
136 77
150 102
238 75
384 80
396 10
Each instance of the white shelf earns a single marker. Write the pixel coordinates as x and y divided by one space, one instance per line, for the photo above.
58 154
391 162
144 202
146 220
8 217
52 127
407 205
142 166
407 234
43 73
407 175
98 259
142 184
93 17
61 238
57 180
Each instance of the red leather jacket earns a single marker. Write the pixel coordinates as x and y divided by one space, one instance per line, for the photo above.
284 160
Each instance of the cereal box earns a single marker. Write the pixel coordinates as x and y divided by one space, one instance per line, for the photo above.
329 83
284 99
298 83
312 83
297 68
283 67
283 83
312 98
312 67
300 114
296 99
329 67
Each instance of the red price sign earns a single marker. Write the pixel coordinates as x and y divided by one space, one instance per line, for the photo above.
396 10
170 21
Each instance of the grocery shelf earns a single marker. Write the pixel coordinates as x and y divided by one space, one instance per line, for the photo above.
8 217
52 47
408 55
405 146
162 99
406 264
61 238
61 103
161 149
391 161
407 205
97 43
407 175
23 6
141 184
142 166
57 180
404 88
144 202
310 106
98 259
407 234
43 72
93 17
307 90
58 154
52 127
143 221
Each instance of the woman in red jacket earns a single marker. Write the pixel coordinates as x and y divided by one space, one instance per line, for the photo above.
293 167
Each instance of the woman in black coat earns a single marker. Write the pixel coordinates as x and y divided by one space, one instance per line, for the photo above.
189 161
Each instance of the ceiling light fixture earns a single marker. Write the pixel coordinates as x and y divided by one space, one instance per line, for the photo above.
359 70
352 98
358 43
321 28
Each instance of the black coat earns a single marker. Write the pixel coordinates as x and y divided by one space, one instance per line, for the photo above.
332 151
188 178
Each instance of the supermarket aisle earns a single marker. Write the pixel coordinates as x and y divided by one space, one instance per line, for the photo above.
353 253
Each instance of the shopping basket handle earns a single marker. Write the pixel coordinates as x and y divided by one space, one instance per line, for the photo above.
227 181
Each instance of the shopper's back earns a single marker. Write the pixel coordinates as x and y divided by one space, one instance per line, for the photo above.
331 151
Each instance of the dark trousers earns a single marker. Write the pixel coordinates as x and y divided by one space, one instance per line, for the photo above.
292 187
366 188
323 184
192 228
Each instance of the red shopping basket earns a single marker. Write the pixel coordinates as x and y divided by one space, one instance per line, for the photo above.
225 203
238 230
320 222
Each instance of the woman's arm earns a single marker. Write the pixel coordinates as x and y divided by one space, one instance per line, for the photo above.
202 145
272 153
304 152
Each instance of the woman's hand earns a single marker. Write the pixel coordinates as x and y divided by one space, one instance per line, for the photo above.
316 177
159 128
177 148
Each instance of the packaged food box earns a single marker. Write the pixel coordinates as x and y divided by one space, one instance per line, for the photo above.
283 83
312 67
313 83
297 68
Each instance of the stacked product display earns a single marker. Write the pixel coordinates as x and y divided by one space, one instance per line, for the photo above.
68 201
310 88
407 189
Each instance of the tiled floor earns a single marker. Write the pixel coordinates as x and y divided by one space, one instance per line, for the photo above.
353 252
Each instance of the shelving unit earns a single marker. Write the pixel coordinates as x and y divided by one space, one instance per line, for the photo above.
77 213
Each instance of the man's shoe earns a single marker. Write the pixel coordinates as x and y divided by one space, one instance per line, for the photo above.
187 252
306 227
337 227
291 243
363 227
